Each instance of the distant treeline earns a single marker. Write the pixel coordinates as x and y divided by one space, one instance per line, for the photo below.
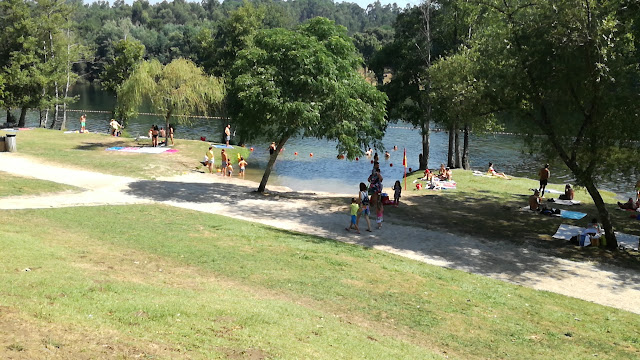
171 30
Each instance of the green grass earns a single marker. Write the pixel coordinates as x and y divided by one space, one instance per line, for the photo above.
87 151
487 207
12 185
172 283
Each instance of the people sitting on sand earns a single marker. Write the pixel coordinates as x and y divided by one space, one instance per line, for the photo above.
568 193
629 205
442 170
493 172
591 235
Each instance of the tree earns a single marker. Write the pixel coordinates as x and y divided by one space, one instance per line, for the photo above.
178 89
409 59
305 82
128 56
568 71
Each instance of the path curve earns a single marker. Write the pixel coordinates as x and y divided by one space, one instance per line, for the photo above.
527 266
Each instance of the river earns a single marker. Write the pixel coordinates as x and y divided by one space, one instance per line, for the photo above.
323 171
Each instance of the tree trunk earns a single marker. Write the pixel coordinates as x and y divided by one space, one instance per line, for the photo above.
66 88
465 149
272 160
603 213
23 116
43 120
451 146
424 132
458 160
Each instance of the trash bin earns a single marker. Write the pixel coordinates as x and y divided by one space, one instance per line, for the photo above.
2 147
10 143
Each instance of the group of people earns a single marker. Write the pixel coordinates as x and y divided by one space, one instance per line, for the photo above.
369 200
226 167
444 174
155 133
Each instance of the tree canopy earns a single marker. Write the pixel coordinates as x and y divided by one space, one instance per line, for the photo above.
305 82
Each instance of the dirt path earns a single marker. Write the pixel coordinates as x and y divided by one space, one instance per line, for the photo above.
526 266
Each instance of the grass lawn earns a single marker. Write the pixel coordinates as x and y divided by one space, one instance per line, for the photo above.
12 185
161 282
87 151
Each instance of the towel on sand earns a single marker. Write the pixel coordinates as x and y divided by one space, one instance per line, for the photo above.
141 150
575 215
566 232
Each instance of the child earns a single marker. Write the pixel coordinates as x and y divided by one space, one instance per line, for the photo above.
379 213
353 209
229 169
242 164
397 190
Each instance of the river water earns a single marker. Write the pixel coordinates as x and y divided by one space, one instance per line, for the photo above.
323 171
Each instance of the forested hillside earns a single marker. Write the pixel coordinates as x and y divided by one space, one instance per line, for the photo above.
171 30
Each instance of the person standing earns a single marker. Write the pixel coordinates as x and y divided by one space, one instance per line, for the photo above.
397 191
114 127
171 133
544 179
363 200
227 134
353 211
83 123
225 160
209 159
242 165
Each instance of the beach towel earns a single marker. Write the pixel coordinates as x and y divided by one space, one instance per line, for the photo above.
566 202
566 232
550 191
480 173
575 215
143 150
222 146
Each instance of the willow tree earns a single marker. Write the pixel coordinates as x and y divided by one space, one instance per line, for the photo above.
177 90
305 82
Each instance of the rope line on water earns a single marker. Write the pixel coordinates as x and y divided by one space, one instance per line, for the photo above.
150 114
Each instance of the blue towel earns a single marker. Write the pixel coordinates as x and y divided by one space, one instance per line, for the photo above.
222 146
575 215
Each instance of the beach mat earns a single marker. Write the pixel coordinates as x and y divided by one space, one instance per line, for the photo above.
566 232
566 202
143 150
574 215
222 146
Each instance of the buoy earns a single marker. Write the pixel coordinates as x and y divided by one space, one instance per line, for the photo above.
372 161
391 165
295 153
357 159
219 170
251 149
311 154
410 170
281 150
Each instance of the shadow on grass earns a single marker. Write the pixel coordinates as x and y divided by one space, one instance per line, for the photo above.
89 146
462 230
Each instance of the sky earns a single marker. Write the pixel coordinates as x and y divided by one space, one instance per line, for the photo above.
363 3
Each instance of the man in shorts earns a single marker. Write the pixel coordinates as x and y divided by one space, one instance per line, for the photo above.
225 161
227 134
544 178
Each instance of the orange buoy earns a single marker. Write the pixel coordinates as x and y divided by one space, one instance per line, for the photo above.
372 161
251 149
357 159
391 165
295 153
311 154
410 170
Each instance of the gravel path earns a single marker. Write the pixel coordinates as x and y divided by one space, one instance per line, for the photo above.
603 284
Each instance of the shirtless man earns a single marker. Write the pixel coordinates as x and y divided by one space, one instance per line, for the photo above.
83 123
227 134
534 201
544 178
225 161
